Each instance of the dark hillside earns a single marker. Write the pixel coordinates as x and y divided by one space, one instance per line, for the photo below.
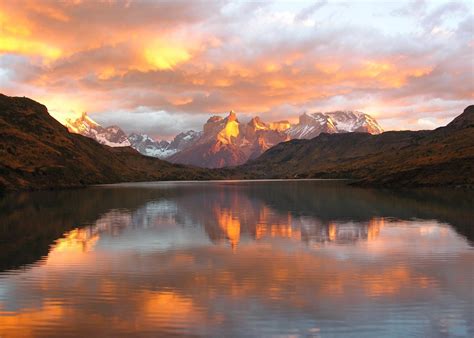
37 152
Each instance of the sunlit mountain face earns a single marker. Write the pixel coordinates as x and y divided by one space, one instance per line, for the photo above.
236 258
161 68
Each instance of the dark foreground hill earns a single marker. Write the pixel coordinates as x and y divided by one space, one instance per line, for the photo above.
444 156
37 152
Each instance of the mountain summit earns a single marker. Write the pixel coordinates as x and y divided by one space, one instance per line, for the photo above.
311 125
111 136
227 142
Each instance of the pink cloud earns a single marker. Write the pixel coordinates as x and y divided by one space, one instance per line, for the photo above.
194 59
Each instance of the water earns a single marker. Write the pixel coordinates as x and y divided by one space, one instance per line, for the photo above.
274 258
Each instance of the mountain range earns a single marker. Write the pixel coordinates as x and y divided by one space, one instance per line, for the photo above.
225 142
38 152
114 136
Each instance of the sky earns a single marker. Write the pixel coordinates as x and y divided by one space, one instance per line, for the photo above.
165 67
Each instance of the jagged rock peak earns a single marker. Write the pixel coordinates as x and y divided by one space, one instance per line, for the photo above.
232 116
214 118
257 123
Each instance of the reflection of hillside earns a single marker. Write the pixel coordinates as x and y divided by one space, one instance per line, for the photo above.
329 201
309 211
84 239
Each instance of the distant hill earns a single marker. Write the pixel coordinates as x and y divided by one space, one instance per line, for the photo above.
37 152
444 156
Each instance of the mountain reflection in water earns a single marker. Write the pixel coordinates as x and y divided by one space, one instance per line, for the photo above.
237 259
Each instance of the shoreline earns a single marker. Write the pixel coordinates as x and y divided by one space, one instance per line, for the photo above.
351 182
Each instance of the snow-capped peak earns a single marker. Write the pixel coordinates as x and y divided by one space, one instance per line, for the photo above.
311 125
111 136
349 121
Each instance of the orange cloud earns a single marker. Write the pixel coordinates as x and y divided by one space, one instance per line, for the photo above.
28 47
16 37
148 54
164 55
50 11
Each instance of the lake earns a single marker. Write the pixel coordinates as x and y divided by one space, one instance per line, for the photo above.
237 258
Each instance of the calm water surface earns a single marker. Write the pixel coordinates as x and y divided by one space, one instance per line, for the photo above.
275 258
